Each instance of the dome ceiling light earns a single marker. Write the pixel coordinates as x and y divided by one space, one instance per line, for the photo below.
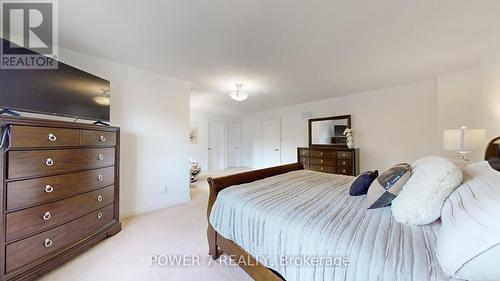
238 95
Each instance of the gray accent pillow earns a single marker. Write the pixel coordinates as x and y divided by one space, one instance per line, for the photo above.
387 186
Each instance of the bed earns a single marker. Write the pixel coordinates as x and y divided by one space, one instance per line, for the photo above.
274 221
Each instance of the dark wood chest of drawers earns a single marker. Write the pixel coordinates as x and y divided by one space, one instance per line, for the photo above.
332 160
60 193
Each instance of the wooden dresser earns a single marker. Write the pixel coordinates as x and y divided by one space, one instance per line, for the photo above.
332 160
60 193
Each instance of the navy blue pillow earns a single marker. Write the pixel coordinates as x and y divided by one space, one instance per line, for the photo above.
362 183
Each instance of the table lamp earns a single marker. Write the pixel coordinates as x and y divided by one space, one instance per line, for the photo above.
463 141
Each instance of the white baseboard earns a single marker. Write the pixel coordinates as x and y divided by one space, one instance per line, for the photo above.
152 208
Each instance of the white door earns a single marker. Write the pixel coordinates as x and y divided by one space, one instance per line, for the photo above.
216 146
233 145
271 142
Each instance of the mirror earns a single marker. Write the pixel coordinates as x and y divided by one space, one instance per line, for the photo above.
329 131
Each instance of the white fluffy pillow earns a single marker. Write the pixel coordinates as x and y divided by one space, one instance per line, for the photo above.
468 245
432 181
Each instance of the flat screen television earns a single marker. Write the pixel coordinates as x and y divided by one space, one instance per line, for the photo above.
65 91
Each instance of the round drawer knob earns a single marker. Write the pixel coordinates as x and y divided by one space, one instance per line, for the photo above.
343 163
47 216
49 162
49 188
99 215
47 243
52 137
100 178
99 198
322 161
102 138
100 157
343 171
321 153
321 168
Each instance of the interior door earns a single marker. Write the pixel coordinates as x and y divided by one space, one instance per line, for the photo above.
233 145
216 146
271 142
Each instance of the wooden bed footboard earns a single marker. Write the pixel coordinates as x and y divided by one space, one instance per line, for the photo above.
218 244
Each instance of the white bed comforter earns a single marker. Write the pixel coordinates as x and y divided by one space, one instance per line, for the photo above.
288 219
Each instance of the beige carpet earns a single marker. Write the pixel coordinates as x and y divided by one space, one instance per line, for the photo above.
179 230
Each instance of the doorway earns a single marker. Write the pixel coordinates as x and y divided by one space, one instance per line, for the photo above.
223 145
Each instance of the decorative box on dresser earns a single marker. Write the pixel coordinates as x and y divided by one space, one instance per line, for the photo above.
334 160
60 193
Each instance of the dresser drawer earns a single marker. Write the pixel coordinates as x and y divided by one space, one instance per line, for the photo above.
26 193
28 221
26 137
303 152
304 159
344 155
25 251
322 153
45 162
345 171
321 168
344 163
322 161
90 137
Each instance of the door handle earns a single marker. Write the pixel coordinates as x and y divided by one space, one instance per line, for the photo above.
276 149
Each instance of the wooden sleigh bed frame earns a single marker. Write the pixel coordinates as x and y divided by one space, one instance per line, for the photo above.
218 244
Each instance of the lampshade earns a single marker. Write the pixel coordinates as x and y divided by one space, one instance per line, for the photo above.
463 139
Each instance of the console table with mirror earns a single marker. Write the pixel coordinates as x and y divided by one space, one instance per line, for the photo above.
328 151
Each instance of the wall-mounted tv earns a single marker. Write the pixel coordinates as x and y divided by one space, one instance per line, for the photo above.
65 91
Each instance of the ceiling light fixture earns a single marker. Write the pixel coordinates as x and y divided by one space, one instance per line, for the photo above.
238 95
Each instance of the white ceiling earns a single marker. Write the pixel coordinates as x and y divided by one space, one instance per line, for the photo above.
284 51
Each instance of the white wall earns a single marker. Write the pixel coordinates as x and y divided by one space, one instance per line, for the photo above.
390 125
458 105
398 124
472 97
153 113
199 151
488 98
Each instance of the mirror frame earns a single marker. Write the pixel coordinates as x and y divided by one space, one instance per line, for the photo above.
348 117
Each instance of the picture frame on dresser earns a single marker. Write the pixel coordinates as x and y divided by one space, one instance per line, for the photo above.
60 193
